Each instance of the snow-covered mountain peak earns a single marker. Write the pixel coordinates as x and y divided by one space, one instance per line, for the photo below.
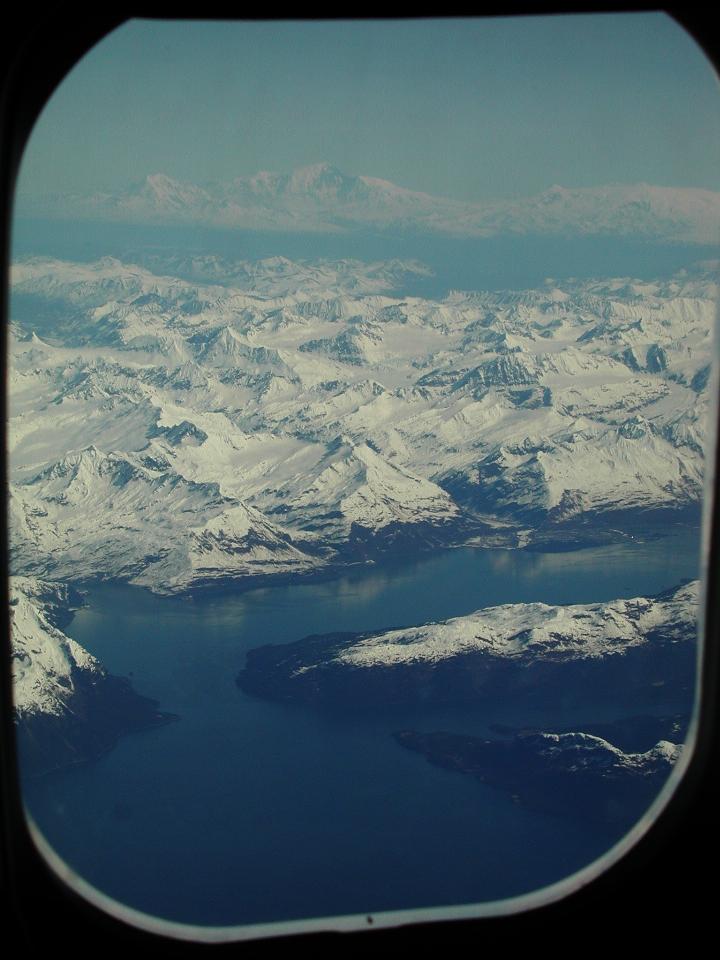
321 197
45 661
89 457
553 194
317 176
166 191
161 182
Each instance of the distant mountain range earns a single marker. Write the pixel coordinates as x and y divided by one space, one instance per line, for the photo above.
321 198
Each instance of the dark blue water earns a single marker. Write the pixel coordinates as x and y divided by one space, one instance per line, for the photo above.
249 811
478 263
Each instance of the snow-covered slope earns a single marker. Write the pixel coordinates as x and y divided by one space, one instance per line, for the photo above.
622 649
535 631
103 515
176 432
322 198
46 662
352 489
67 707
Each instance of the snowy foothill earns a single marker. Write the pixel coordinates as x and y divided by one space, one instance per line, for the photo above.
535 631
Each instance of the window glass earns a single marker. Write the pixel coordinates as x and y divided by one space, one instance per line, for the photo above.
361 376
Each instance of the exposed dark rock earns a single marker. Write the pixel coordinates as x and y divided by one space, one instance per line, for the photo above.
306 672
102 709
634 734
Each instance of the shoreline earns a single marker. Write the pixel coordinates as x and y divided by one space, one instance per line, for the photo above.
227 584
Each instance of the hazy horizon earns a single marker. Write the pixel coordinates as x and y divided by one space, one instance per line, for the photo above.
469 109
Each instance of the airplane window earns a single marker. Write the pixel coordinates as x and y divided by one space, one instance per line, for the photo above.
361 394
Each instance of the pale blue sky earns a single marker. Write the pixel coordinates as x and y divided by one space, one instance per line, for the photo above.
460 108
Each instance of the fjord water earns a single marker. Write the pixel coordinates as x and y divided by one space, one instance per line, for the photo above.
247 811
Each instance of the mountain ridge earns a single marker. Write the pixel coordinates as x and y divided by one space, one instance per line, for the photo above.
321 198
